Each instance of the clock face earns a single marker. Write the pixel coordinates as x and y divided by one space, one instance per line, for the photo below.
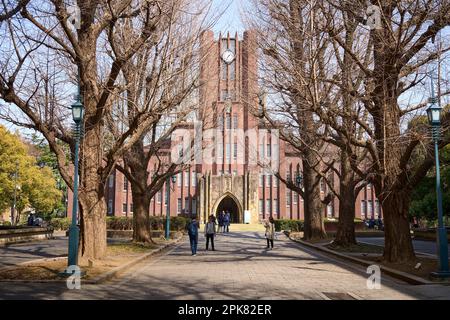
228 56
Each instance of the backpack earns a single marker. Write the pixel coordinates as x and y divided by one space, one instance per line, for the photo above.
192 229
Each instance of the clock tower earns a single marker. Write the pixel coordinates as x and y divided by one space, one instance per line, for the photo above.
228 98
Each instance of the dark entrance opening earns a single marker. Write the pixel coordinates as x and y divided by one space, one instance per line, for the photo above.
228 204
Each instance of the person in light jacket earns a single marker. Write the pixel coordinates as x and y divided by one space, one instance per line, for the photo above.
210 231
270 232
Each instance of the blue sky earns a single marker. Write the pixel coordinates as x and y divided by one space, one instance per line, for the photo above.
231 19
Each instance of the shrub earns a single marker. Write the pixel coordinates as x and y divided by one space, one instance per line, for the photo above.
119 223
60 223
288 224
178 223
6 223
157 223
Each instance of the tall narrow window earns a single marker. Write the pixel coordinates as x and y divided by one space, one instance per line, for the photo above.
228 121
179 204
269 150
261 179
194 206
125 184
232 70
261 206
268 206
194 179
235 121
235 150
110 206
220 122
186 178
288 198
363 209
228 152
224 70
111 181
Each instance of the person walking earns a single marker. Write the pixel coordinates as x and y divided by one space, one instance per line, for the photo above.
193 235
226 222
210 231
270 232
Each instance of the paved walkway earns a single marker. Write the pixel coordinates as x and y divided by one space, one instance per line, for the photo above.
241 268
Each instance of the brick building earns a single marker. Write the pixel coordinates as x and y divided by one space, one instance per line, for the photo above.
229 176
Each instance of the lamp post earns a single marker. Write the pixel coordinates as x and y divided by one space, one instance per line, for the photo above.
16 174
74 231
173 179
298 180
434 119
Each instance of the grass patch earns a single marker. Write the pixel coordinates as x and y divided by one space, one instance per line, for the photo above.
117 254
427 265
356 248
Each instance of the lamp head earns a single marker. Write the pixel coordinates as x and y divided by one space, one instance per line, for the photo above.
77 111
298 180
434 114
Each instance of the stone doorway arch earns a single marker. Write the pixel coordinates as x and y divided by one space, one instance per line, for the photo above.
229 202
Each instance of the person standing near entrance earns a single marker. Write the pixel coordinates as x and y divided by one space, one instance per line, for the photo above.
270 232
193 235
226 221
210 231
220 218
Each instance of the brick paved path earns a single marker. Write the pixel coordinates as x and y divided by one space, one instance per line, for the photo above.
241 269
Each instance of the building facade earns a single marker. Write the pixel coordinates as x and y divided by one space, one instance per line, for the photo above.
239 152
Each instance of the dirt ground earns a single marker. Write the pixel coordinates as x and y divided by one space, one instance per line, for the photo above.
48 269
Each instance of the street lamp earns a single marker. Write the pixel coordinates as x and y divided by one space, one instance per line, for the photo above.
74 231
298 180
174 179
16 174
434 118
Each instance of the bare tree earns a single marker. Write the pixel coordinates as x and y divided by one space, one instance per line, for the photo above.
44 31
400 51
292 50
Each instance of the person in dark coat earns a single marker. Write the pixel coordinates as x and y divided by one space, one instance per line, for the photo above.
226 222
193 235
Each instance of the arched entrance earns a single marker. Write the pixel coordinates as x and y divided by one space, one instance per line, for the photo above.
229 204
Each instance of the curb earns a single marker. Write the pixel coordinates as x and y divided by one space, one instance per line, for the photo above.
100 279
411 279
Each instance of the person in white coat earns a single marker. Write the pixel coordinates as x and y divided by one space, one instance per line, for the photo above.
210 232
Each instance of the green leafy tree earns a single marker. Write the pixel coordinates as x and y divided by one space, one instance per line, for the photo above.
423 198
22 181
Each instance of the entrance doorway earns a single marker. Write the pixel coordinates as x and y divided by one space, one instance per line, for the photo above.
228 204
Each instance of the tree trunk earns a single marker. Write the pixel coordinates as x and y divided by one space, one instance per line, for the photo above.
141 217
135 160
314 225
92 197
398 244
345 234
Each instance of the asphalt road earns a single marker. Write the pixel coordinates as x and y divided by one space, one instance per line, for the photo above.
420 246
21 252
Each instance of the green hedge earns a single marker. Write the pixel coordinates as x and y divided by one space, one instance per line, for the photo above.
6 223
119 223
60 223
287 224
156 223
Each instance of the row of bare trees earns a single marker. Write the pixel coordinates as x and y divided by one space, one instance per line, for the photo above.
339 81
136 63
